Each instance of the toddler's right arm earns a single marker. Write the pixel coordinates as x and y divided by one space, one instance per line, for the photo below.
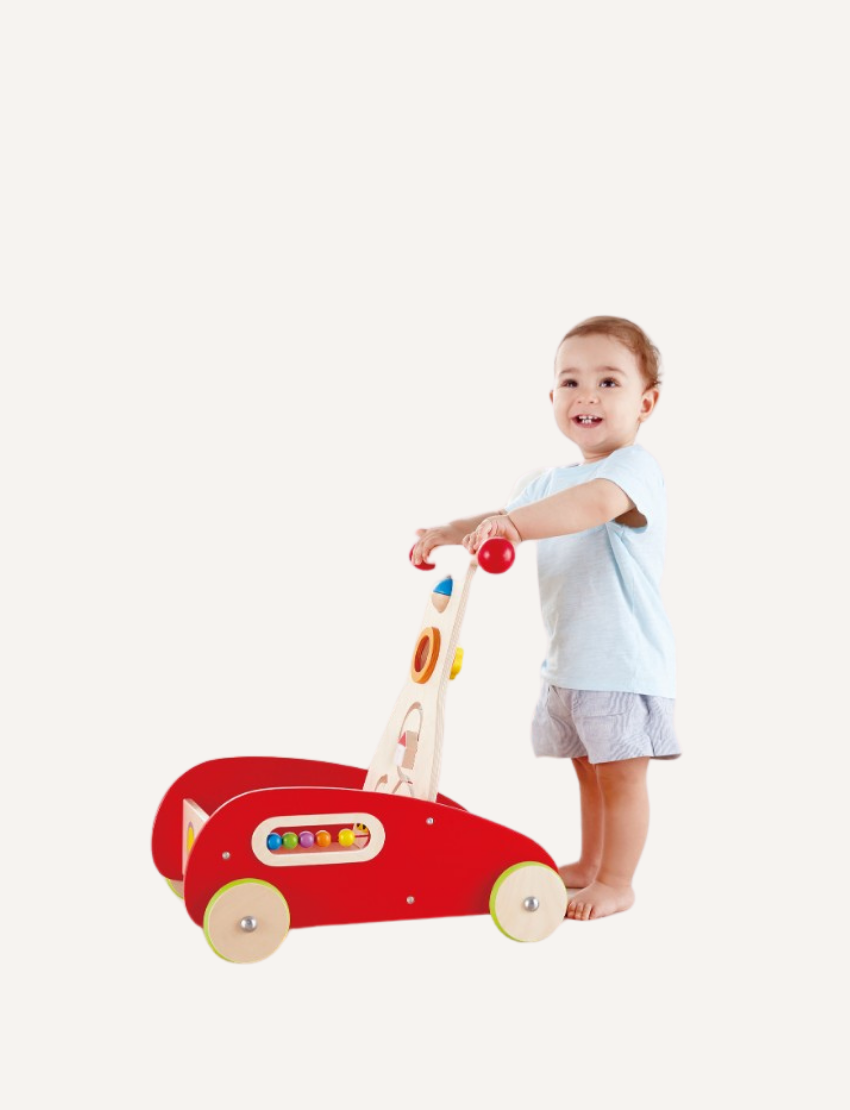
430 538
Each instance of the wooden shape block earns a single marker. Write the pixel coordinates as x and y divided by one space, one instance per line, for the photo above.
194 819
425 655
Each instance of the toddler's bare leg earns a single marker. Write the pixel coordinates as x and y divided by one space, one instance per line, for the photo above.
625 820
582 873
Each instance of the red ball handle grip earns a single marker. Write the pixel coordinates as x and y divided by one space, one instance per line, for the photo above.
420 566
496 555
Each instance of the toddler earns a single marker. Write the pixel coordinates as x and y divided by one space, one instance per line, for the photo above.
609 672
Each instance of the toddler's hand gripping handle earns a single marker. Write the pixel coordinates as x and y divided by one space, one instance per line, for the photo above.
495 556
420 566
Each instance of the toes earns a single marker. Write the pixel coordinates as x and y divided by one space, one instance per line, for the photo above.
580 911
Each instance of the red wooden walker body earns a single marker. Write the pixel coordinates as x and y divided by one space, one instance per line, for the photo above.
259 845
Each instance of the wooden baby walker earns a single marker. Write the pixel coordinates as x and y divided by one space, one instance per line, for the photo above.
259 845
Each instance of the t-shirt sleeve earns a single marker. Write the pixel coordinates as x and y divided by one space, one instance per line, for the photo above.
639 476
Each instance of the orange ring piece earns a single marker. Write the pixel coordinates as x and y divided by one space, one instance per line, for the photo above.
429 640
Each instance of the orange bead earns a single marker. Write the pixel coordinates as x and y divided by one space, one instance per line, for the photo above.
323 839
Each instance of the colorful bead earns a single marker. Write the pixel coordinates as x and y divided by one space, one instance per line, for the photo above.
306 839
323 838
290 840
274 841
346 837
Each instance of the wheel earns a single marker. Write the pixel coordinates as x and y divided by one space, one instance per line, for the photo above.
246 921
176 885
528 901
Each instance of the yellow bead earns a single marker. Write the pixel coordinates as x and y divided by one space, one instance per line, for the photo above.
346 837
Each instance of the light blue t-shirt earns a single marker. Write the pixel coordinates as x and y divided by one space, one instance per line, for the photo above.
600 589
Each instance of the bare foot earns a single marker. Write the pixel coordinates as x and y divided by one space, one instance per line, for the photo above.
599 900
577 876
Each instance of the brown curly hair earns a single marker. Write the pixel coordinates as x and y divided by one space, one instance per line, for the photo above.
632 338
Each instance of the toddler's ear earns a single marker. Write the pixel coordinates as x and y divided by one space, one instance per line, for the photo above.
648 403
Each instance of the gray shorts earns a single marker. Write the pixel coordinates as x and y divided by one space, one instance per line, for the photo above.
603 726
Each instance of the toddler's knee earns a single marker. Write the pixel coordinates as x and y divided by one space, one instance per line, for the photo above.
621 774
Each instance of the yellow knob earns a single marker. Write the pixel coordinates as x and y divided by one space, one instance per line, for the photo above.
457 663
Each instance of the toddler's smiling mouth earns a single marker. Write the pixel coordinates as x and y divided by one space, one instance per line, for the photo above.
586 421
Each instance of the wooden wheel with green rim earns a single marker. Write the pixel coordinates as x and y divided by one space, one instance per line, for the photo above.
246 921
528 901
176 885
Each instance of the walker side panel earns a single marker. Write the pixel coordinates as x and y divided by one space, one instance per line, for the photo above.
212 783
216 781
420 859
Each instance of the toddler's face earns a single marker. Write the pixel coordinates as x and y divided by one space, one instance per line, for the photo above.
600 397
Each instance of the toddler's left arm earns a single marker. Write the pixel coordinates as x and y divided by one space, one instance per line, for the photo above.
572 510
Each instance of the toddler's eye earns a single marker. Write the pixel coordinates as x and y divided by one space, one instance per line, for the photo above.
567 383
608 382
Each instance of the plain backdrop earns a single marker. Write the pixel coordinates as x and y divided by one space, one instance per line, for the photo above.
282 283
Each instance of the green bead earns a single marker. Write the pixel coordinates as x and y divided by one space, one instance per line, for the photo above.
290 840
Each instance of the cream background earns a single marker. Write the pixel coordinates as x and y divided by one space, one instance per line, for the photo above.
282 283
